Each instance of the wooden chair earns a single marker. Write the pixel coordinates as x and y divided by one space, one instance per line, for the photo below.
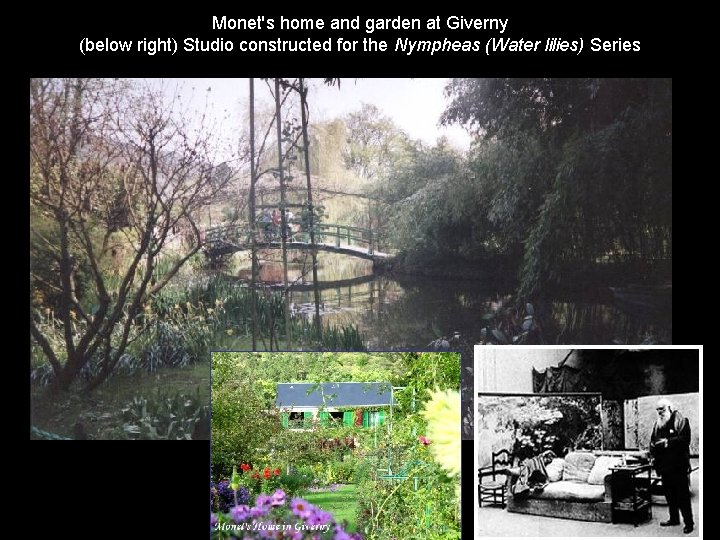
493 492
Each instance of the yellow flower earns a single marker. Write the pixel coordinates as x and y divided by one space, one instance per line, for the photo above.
229 332
177 306
442 413
210 311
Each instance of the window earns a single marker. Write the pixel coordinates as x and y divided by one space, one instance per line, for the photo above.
373 418
296 420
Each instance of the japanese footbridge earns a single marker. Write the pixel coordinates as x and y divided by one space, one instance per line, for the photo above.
342 239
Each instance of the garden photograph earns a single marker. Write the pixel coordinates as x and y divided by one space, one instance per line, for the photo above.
335 445
171 217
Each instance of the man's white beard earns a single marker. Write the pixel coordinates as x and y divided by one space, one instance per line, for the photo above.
663 419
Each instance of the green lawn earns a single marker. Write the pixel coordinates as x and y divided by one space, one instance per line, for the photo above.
341 503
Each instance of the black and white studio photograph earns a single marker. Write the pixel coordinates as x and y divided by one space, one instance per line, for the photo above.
588 442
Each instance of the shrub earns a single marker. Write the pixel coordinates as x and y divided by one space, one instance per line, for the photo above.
164 417
338 471
268 479
394 508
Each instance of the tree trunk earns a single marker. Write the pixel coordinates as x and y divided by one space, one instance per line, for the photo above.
283 217
311 218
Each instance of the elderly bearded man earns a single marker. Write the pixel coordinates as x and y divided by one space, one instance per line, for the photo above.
670 446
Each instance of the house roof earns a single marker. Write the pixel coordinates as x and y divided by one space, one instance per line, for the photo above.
336 394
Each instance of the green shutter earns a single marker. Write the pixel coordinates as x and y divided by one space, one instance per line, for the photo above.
381 418
324 418
285 419
366 419
348 418
307 419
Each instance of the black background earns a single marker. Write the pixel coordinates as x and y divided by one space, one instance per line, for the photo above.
54 40
148 489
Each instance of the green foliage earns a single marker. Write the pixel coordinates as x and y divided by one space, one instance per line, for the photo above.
395 509
267 479
167 417
165 336
405 507
375 144
241 425
295 483
565 176
426 372
335 471
430 203
344 338
165 348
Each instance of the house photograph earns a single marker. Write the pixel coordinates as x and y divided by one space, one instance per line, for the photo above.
349 404
588 442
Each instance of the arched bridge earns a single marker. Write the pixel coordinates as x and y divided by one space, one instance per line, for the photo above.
343 239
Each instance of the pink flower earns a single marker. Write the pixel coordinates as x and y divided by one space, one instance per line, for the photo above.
301 508
423 439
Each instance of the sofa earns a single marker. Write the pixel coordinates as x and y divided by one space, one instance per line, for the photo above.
578 487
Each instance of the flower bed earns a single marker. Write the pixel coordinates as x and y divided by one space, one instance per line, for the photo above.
274 516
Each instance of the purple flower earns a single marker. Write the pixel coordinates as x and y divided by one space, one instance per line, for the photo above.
223 497
257 511
278 498
296 535
263 500
264 532
340 534
213 520
319 517
240 512
301 508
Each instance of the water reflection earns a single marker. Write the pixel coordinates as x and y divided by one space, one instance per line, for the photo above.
407 312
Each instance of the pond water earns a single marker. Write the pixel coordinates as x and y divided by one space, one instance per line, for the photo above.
408 312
